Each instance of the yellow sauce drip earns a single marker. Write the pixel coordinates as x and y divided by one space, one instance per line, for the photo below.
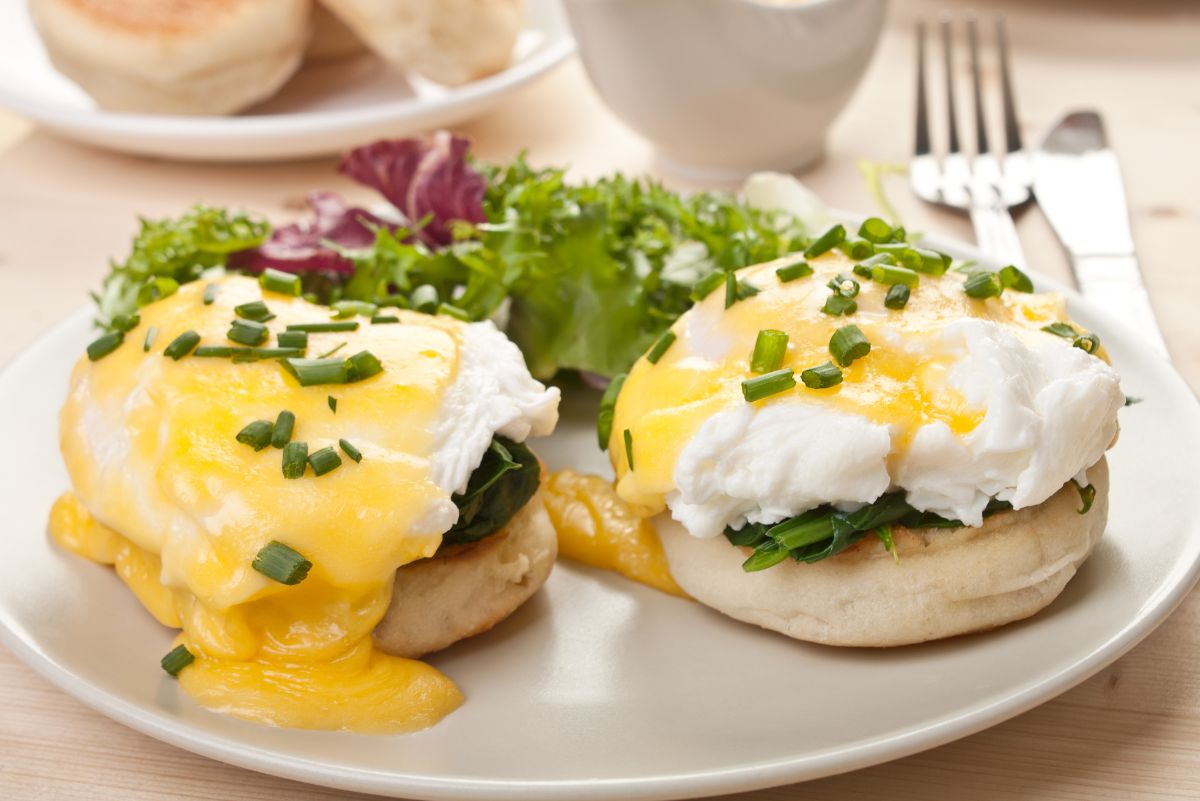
597 528
164 493
267 674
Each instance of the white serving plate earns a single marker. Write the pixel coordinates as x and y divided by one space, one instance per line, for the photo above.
325 108
600 688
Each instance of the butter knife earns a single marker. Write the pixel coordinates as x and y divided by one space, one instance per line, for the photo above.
1077 182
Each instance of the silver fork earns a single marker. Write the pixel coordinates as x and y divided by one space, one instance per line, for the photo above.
986 185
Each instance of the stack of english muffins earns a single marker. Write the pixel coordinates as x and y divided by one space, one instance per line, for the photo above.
209 57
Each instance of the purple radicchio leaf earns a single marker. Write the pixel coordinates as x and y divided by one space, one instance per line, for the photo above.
300 248
427 177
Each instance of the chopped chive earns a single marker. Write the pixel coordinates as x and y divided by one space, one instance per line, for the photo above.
848 344
878 258
176 660
842 284
896 297
910 258
240 355
450 310
381 319
932 262
772 383
279 281
875 230
888 274
332 401
362 366
1088 343
705 286
210 293
826 241
151 335
1087 496
292 339
295 459
856 247
823 376
104 345
1130 400
247 332
182 345
313 372
837 305
746 290
156 289
279 562
323 328
862 271
793 271
768 554
730 289
769 349
629 448
255 310
349 308
1013 278
215 351
256 434
351 451
661 345
608 406
332 350
425 298
1061 330
125 322
324 461
281 434
983 284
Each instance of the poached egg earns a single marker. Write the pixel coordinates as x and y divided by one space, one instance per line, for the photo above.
958 401
163 489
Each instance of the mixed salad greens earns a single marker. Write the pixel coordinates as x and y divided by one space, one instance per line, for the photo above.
588 274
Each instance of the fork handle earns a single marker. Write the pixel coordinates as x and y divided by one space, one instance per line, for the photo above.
996 234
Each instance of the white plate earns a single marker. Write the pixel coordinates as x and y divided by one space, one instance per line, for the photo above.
600 688
323 109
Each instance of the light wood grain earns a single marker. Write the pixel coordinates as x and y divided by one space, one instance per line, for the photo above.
1133 731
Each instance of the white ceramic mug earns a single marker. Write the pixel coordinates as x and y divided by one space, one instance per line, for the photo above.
726 87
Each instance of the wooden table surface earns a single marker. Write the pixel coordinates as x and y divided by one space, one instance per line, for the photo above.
1133 731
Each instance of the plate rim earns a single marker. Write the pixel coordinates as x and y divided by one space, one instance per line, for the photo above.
741 778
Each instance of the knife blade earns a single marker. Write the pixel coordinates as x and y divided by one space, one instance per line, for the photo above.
1077 182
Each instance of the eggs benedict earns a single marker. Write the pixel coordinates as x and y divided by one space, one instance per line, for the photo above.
315 500
856 446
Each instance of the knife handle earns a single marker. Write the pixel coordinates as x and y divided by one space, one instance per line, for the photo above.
1114 283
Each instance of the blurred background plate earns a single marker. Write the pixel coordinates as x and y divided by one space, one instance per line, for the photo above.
325 108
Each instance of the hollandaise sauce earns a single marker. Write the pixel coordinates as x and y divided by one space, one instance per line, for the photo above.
168 490
596 528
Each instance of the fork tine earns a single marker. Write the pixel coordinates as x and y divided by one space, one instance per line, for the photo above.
951 112
921 146
981 137
1012 131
